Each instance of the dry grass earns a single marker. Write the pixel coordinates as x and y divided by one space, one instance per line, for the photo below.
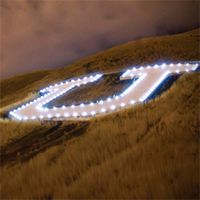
148 151
18 87
11 130
4 110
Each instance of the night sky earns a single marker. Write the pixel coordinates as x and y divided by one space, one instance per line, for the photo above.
52 34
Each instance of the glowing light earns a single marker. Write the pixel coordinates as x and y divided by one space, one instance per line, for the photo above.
66 115
101 102
112 107
82 105
84 114
109 99
15 115
98 75
54 108
46 98
194 67
179 64
33 117
103 110
156 66
49 116
75 114
93 113
57 115
154 86
63 107
122 104
41 116
132 101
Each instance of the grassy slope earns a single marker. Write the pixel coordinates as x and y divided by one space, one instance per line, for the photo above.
181 47
147 151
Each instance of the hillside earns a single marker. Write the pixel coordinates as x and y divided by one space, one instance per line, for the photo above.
174 48
147 151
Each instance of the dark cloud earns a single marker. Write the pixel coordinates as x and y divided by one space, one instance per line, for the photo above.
51 34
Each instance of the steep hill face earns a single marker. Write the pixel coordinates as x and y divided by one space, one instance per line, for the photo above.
175 48
148 151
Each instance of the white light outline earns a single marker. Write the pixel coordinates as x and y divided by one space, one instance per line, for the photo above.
155 85
40 107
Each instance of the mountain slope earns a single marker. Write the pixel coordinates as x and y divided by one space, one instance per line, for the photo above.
174 48
147 151
150 151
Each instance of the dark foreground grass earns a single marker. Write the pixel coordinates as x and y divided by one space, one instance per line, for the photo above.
40 139
149 151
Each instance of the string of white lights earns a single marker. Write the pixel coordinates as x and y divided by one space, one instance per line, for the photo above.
155 75
152 88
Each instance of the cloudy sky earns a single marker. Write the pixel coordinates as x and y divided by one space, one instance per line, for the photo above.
49 34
